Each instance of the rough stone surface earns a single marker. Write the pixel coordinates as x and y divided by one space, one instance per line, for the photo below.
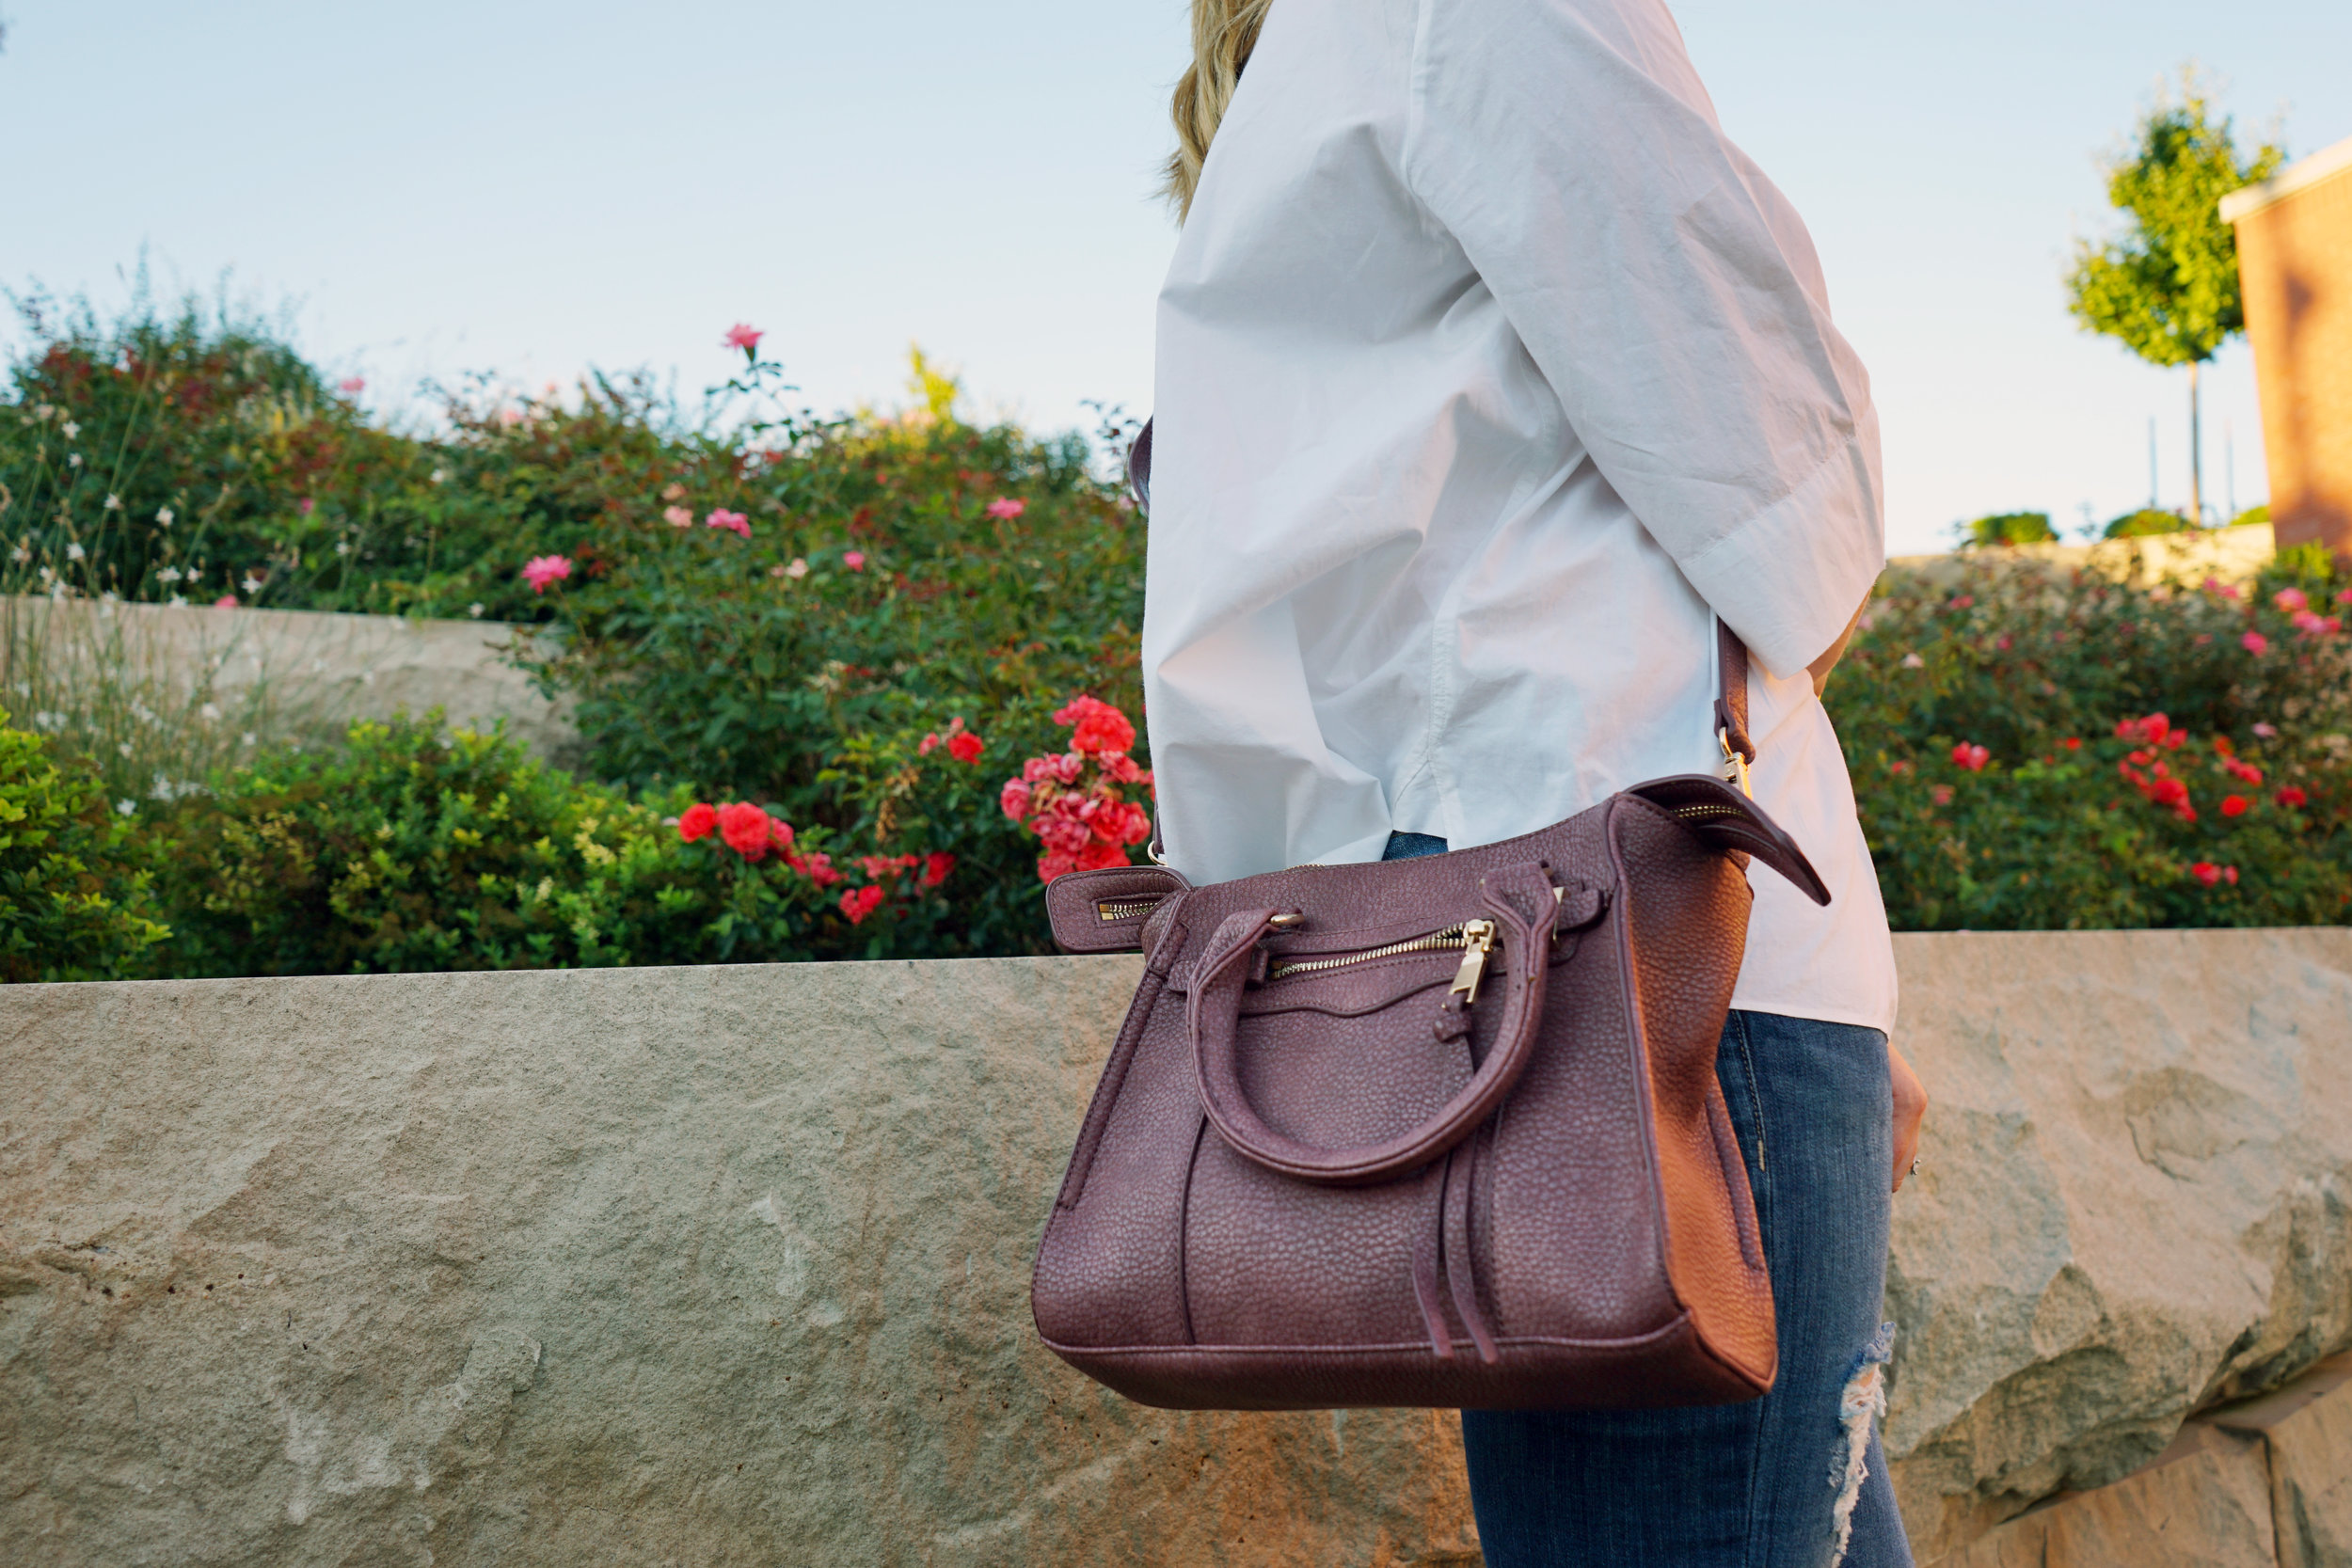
2133 1202
2306 1433
704 1266
2204 1503
2263 1481
730 1265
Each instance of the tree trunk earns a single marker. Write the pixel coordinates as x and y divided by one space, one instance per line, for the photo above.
2196 455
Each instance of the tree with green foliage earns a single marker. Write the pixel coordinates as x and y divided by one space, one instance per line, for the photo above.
2169 288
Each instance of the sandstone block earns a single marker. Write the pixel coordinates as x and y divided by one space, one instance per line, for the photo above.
704 1266
729 1265
2306 1433
2131 1204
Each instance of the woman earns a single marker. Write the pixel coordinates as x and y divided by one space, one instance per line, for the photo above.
1489 374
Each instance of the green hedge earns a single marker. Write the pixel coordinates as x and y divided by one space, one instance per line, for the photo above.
848 689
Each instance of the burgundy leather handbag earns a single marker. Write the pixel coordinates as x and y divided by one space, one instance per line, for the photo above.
1441 1132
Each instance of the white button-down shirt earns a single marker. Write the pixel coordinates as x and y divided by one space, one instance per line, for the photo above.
1487 367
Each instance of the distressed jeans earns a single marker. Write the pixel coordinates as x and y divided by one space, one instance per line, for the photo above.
1796 1479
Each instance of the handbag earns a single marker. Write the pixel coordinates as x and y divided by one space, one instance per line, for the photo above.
1442 1131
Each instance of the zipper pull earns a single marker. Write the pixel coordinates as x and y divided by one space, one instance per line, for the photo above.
1478 940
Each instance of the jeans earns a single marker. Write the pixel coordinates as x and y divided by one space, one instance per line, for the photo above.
1796 1479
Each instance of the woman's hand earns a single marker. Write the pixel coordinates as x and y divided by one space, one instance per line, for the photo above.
1910 1105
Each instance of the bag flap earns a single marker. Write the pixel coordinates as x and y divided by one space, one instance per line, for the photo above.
1723 818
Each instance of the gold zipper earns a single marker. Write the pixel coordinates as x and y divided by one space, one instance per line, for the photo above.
1125 909
1702 809
1476 939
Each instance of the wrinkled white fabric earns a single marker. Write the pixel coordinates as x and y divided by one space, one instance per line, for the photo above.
1487 366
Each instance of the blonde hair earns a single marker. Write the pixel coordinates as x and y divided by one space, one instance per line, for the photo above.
1223 34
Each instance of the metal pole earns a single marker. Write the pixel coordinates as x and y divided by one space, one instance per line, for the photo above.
2152 462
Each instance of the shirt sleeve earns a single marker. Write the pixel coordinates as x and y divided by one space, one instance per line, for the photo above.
1668 293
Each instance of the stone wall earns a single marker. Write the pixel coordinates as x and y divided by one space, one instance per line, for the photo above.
729 1265
315 671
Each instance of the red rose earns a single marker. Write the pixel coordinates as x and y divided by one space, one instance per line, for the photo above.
697 821
747 830
936 866
1097 856
859 902
964 747
2205 872
2291 795
2234 806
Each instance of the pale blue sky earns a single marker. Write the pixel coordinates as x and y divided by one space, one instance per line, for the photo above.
535 188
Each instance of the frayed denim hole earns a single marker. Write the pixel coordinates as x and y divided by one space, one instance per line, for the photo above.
1859 1404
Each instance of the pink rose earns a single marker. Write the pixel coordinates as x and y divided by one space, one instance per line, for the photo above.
743 336
1007 507
734 522
853 559
543 569
677 517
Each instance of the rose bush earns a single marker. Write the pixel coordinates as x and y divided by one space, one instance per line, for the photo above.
2034 750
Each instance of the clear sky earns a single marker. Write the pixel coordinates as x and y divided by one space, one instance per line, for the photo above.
535 187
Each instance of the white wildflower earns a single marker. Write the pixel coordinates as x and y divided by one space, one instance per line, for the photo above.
179 601
113 503
123 746
70 429
440 476
798 569
46 721
45 411
128 808
74 460
246 739
251 585
163 515
210 712
343 546
46 572
74 552
20 554
1912 661
169 574
474 610
141 712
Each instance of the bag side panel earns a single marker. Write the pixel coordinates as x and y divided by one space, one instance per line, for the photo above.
1108 1267
1566 1233
1688 905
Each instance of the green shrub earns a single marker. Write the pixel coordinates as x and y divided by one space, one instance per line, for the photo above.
2147 523
2008 528
2037 750
73 905
419 847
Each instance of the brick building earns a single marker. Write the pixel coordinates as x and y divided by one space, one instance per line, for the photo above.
2295 255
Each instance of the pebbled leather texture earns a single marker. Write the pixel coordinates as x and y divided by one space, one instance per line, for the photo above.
1314 1175
1106 911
